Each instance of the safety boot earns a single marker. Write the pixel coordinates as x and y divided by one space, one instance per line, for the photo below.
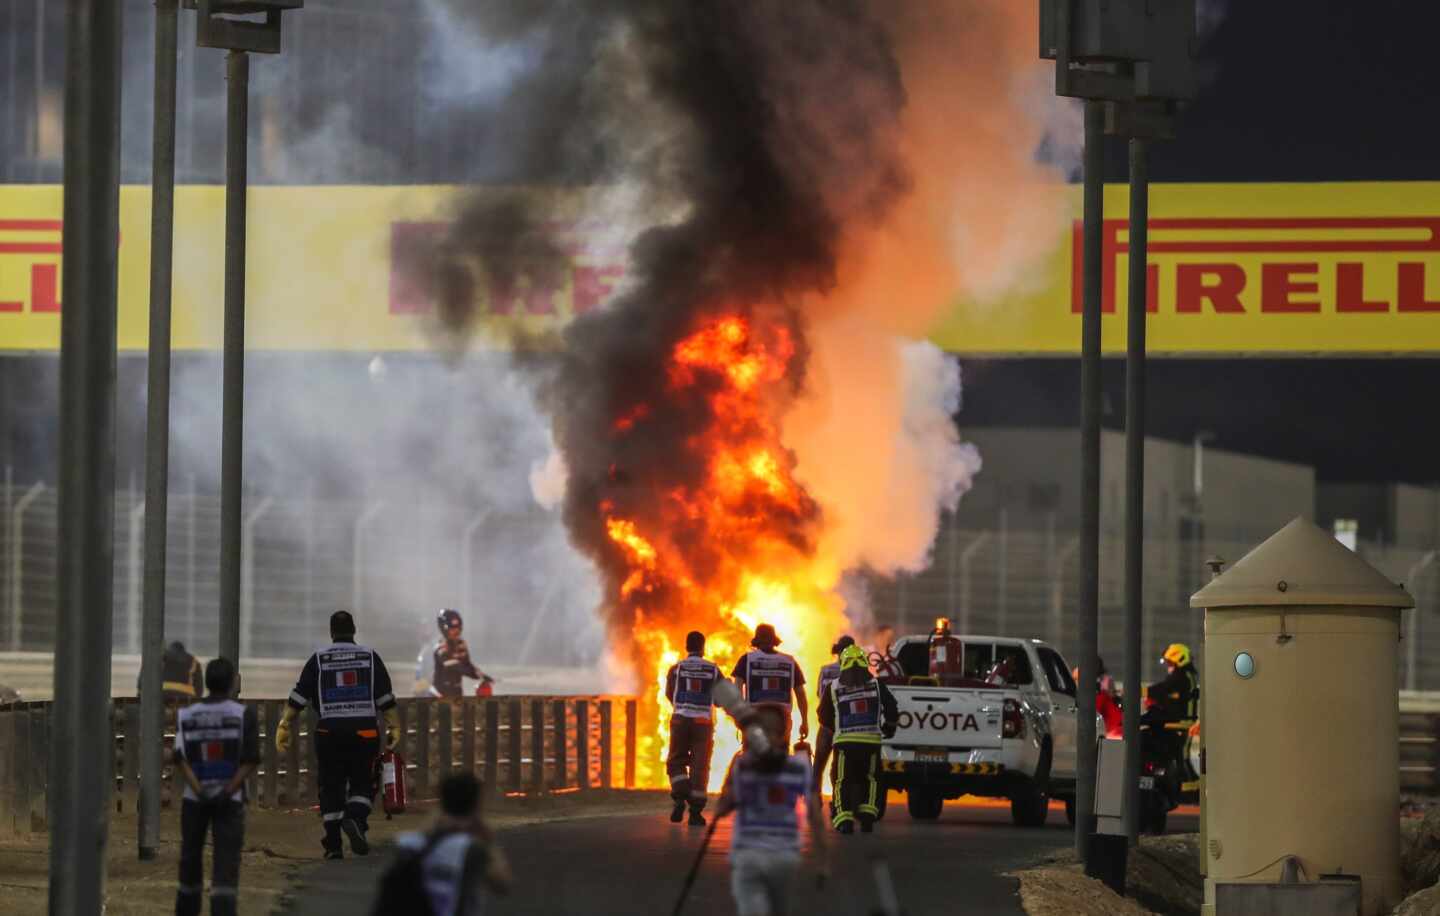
696 818
846 828
867 824
678 814
358 844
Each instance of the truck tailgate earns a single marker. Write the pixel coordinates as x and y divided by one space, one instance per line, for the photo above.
948 717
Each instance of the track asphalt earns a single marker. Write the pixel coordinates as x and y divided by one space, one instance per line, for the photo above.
635 865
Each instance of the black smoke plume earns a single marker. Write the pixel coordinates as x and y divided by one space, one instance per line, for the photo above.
748 136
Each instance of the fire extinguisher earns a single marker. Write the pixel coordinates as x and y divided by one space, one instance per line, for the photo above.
391 772
945 654
485 688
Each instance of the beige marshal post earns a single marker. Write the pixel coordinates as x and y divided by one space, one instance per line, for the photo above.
1301 725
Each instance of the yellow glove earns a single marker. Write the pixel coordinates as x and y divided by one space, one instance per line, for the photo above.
282 731
392 728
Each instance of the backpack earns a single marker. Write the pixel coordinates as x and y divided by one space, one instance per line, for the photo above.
401 889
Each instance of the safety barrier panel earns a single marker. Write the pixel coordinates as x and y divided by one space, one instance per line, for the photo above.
519 745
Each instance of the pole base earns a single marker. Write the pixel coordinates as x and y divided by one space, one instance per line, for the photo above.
149 853
1106 862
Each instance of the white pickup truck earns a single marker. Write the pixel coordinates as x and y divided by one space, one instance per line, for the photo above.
1012 740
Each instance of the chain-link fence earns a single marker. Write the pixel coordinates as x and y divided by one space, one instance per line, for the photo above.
1024 580
395 562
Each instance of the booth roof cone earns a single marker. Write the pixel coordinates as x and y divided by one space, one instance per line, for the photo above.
1302 565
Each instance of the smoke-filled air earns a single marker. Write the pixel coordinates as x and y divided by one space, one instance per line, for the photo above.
803 189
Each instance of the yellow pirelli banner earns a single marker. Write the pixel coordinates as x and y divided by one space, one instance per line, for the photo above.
1232 269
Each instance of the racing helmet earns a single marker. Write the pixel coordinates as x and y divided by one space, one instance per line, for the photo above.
447 618
854 657
1177 654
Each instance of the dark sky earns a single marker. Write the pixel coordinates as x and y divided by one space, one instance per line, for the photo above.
1295 90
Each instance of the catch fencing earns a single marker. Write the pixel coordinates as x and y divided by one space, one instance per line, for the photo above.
394 563
519 745
1024 580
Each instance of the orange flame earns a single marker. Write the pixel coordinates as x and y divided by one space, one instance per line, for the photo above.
734 550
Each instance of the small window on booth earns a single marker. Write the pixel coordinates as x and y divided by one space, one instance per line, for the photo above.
1347 532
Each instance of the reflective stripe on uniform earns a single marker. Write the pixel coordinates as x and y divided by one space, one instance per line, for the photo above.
358 800
298 700
178 687
218 891
333 816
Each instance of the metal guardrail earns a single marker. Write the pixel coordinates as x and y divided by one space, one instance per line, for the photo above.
520 745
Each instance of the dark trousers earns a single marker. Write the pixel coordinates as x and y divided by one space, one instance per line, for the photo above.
688 763
346 780
824 743
856 789
226 823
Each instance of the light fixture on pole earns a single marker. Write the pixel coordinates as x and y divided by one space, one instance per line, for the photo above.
1132 63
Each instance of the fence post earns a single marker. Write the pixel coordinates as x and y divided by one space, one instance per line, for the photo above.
605 746
632 722
492 746
422 749
269 794
131 770
444 735
7 769
39 763
467 735
560 723
20 770
1435 753
467 555
517 747
134 575
292 773
582 744
192 519
17 561
247 575
537 744
357 557
966 556
1002 611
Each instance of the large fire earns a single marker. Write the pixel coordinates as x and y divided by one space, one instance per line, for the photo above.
735 549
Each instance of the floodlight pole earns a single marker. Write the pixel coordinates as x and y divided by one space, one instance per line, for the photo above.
1135 474
81 775
237 114
1090 405
157 428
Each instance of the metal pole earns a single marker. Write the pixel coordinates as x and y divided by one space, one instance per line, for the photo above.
157 427
1135 476
237 65
1089 480
80 773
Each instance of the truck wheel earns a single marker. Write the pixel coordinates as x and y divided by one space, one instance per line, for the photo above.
1029 807
924 805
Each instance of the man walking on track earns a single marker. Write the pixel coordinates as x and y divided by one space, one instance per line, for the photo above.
348 685
773 679
861 711
689 686
763 789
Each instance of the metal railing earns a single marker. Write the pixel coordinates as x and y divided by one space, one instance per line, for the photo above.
519 745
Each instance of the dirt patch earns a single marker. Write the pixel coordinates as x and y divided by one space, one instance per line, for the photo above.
1161 877
279 846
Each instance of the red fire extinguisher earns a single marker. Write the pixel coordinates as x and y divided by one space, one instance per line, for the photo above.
391 767
945 654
